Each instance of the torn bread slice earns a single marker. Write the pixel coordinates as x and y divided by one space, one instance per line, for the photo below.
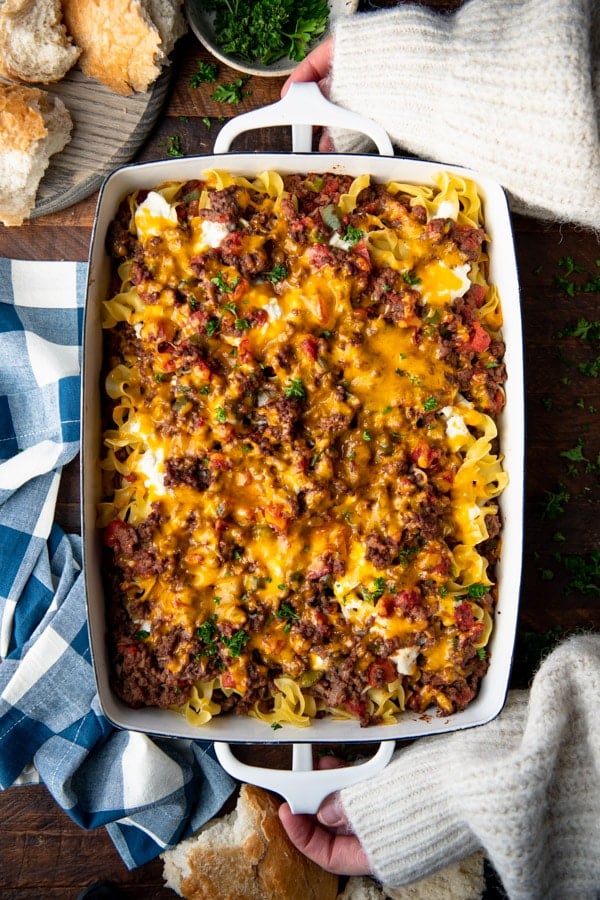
124 43
34 44
33 126
245 855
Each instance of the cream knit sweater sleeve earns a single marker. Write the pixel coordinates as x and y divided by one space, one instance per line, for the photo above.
525 788
507 87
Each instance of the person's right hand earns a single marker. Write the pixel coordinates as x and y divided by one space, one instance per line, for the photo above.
326 838
315 67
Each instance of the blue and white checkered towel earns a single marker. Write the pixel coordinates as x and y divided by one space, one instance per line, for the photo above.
149 793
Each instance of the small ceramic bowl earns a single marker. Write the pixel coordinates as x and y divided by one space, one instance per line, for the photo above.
202 24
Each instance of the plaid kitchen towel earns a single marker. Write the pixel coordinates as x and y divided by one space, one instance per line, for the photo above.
149 793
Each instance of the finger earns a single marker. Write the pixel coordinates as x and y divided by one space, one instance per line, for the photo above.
329 762
326 145
331 814
313 67
341 855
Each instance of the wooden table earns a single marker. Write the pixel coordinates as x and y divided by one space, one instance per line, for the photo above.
44 855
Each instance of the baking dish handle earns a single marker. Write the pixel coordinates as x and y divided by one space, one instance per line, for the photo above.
303 787
302 107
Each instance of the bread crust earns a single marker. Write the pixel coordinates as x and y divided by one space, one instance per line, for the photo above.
21 121
246 856
34 44
33 126
120 44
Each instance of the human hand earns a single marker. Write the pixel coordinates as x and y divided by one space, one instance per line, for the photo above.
315 67
333 847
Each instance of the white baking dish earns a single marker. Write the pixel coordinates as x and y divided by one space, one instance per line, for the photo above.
302 106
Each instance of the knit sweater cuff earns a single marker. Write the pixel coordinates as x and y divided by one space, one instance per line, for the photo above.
414 831
475 88
430 791
524 788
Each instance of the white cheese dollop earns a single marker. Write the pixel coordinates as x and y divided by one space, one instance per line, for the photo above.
446 210
455 424
212 233
154 215
404 659
337 241
151 465
273 310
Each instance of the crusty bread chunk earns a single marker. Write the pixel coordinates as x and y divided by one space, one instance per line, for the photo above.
245 855
33 126
34 44
463 880
124 43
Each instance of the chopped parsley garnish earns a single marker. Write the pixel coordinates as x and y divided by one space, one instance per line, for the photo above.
411 278
174 146
352 235
366 436
207 632
377 591
584 329
278 273
295 389
221 414
236 643
142 634
379 588
288 614
267 30
430 404
232 93
476 591
555 502
219 281
575 454
205 73
212 326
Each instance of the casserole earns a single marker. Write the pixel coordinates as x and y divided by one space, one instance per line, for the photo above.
300 107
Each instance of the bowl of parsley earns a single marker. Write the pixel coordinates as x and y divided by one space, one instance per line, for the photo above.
263 37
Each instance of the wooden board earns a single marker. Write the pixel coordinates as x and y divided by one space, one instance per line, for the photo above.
107 132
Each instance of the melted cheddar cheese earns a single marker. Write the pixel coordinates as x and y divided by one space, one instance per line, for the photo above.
303 376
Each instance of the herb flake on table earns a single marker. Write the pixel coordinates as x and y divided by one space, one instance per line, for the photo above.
232 92
174 146
206 73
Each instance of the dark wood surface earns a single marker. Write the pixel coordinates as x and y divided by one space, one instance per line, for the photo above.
44 855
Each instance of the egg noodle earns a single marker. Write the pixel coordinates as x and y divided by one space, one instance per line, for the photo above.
303 375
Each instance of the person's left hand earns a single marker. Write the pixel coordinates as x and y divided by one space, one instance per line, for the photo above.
315 67
333 847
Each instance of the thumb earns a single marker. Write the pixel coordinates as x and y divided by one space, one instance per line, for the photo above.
331 814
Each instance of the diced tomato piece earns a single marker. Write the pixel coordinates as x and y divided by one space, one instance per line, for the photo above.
382 671
227 680
479 339
119 534
464 616
424 455
310 347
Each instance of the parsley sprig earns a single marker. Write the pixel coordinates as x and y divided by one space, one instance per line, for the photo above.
206 73
233 92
